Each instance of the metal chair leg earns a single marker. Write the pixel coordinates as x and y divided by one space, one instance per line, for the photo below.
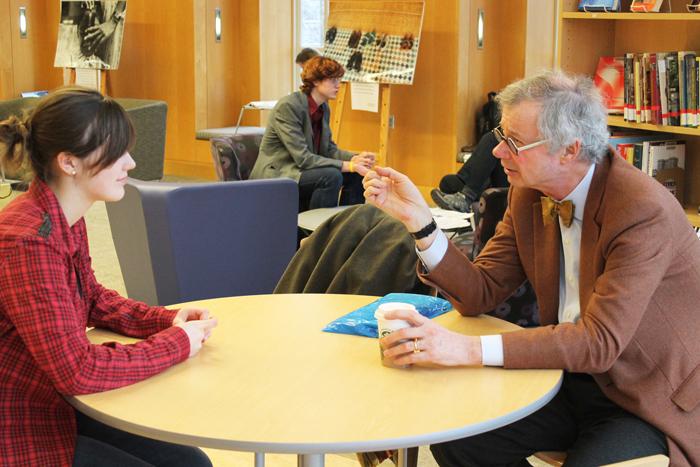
408 457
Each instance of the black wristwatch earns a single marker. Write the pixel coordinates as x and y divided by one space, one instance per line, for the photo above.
425 231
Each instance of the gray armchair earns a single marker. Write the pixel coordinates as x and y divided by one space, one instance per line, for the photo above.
16 106
148 117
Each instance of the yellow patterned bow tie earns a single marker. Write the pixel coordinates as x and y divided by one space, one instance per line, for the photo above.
551 209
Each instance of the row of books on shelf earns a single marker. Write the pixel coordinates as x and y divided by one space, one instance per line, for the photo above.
657 155
661 88
637 6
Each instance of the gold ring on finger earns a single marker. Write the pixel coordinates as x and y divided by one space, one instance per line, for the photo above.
416 349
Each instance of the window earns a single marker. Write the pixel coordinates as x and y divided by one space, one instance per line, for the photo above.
310 23
309 29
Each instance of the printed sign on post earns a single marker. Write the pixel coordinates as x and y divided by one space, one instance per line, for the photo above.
364 96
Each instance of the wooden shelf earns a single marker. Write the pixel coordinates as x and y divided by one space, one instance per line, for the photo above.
619 121
693 216
633 16
585 37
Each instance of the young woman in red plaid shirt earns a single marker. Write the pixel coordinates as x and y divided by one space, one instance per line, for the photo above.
76 142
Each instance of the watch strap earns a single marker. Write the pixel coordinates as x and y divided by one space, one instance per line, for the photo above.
425 231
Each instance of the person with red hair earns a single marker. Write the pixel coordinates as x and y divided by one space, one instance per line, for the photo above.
298 143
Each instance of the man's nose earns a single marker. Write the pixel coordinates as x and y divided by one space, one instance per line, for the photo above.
501 151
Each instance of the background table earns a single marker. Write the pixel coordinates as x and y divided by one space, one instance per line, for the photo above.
452 222
310 220
448 221
209 133
269 380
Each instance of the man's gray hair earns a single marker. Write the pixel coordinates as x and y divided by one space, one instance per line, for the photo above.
572 109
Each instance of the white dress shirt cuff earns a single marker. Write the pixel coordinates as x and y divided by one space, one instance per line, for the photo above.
492 350
431 256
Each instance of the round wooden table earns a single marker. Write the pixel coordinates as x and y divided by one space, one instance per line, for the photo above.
269 380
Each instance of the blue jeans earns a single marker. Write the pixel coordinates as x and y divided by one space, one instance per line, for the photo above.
321 187
99 444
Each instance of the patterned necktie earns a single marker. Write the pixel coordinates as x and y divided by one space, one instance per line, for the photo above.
551 209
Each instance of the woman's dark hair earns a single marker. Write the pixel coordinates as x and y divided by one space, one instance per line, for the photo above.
71 119
317 69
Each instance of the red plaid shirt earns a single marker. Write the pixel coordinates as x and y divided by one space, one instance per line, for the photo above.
48 295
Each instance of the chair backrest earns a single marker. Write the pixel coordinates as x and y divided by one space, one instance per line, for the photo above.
521 307
17 107
492 206
181 242
226 162
235 156
149 119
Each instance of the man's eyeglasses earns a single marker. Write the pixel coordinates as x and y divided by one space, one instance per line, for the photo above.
514 148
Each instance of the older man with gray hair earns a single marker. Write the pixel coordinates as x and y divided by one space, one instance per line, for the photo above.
616 268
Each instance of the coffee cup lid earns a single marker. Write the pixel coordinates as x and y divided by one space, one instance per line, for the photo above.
391 306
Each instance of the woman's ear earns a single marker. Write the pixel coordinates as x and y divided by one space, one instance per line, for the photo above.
67 163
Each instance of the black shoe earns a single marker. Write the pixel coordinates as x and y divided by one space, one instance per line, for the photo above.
452 202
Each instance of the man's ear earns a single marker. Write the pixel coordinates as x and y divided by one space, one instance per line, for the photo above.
67 163
571 152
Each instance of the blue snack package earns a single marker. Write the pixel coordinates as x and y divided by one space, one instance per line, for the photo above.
361 322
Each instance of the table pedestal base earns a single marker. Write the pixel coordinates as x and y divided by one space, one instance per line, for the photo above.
403 458
310 460
317 460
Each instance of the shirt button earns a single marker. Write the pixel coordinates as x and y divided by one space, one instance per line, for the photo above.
570 279
566 242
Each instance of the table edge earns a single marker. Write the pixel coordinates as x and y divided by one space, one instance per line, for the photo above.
319 448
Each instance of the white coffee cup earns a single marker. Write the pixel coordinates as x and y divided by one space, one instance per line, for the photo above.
387 326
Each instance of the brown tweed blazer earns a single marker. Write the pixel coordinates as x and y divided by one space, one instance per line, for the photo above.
639 332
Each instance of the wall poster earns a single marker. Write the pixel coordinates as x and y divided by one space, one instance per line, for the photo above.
90 34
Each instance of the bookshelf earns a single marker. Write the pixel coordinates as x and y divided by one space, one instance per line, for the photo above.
618 121
584 37
631 16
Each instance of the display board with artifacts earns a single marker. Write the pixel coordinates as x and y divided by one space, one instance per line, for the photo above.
375 41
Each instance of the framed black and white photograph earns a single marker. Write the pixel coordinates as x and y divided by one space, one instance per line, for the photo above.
90 34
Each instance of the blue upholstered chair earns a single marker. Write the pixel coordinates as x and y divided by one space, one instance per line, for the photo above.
180 242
